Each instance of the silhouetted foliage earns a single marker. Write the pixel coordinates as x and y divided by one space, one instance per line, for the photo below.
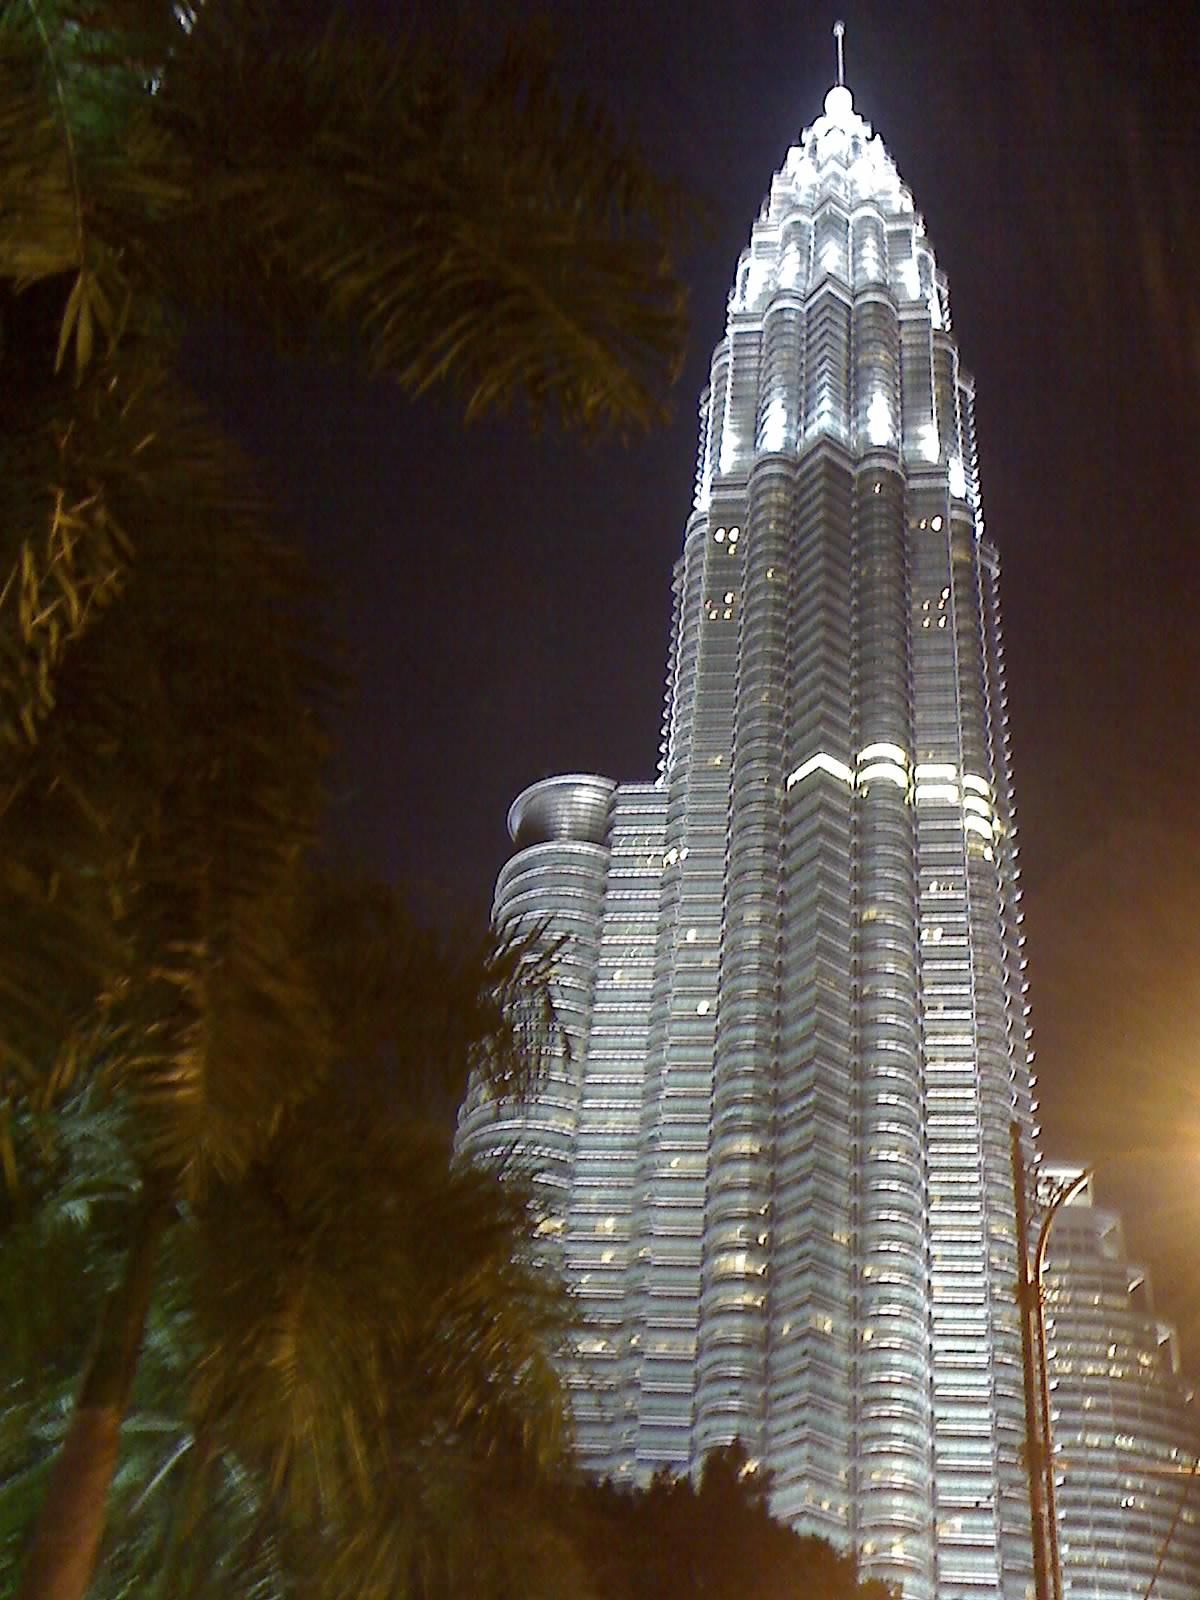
168 961
715 1541
348 1382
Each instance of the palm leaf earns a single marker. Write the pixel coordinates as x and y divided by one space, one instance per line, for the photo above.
488 235
154 828
366 1288
492 237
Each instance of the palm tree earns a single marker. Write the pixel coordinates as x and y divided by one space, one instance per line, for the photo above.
348 1383
354 1334
162 681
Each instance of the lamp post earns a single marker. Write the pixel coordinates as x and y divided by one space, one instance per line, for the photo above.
1039 1431
1059 1199
1027 1294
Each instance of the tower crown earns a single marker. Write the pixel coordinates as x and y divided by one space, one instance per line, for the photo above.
841 155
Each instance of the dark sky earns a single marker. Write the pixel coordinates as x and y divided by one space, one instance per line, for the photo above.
506 599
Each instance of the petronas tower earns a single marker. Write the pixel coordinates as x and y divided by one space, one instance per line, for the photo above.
776 1159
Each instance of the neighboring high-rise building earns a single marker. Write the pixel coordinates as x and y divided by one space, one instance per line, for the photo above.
778 1157
1125 1423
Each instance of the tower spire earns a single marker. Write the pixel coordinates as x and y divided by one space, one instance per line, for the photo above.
839 33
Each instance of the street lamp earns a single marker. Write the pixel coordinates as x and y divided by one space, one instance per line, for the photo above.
1058 1199
1039 1432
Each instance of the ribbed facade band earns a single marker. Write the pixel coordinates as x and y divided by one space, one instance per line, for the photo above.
791 976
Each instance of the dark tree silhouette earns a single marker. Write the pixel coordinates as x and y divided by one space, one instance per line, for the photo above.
162 686
715 1541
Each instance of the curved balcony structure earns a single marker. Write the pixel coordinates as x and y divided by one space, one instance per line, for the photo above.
795 974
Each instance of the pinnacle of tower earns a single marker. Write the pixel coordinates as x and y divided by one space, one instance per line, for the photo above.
839 102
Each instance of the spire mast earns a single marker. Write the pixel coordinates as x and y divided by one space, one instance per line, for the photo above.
839 33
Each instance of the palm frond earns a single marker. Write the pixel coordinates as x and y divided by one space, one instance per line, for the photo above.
163 772
487 235
357 1286
492 237
425 1010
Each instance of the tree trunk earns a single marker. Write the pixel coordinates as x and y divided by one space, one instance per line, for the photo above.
66 1537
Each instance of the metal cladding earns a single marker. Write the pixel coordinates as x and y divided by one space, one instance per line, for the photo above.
574 807
779 1158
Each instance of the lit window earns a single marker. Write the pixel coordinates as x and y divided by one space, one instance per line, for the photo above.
729 597
691 936
936 524
733 535
702 1008
719 536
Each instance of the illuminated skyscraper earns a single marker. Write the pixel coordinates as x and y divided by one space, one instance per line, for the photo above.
778 1160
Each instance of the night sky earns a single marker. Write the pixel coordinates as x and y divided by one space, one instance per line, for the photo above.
505 600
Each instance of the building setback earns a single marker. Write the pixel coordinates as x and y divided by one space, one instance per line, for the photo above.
777 1160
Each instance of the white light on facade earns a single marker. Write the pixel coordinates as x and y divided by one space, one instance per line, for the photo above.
957 478
774 426
937 793
879 420
888 752
820 763
756 280
884 770
935 770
